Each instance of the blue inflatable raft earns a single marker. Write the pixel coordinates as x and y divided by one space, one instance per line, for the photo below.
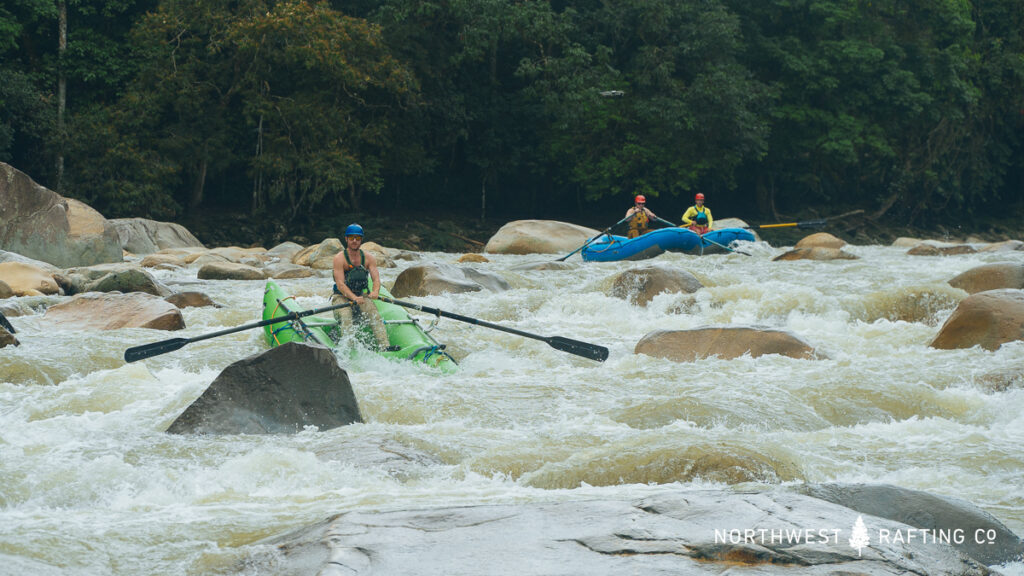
610 248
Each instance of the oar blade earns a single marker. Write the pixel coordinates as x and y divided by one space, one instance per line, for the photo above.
592 351
812 223
154 349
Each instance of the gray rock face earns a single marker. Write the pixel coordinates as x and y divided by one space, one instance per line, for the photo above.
41 224
931 512
279 391
676 532
143 236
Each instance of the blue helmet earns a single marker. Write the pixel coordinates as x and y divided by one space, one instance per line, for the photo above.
354 230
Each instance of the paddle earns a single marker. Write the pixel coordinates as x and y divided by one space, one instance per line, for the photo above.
805 224
810 223
165 346
723 246
6 323
587 243
592 351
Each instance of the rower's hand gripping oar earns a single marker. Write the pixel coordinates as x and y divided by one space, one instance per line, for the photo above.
588 242
165 346
592 351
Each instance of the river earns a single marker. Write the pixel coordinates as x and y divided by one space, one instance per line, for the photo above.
90 483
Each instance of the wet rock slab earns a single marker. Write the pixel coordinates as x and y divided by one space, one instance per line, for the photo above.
675 532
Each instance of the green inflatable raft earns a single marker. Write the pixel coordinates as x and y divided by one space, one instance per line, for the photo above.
408 340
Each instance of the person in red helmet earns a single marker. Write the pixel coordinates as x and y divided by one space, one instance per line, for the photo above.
639 217
690 216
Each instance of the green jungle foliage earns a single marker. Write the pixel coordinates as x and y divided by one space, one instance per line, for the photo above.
910 109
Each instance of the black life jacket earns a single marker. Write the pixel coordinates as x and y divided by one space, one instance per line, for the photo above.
357 278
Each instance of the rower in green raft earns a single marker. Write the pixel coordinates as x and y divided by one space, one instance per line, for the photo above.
383 327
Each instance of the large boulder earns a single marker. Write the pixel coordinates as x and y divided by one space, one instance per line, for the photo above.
641 285
815 253
110 311
932 512
114 278
5 290
28 280
143 236
41 224
538 237
767 533
726 342
990 277
987 319
820 240
433 279
229 271
192 299
280 391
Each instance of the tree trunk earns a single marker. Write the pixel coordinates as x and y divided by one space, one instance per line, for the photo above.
483 199
197 188
257 178
62 86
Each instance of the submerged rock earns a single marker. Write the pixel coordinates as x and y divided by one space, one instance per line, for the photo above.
279 391
674 532
433 279
726 342
641 285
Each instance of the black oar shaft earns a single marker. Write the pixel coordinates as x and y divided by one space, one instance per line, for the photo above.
592 351
588 242
164 346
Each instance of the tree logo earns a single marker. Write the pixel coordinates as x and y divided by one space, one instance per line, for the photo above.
859 538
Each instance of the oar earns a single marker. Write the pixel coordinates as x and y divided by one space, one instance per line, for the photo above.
805 224
165 346
722 246
587 243
810 223
592 351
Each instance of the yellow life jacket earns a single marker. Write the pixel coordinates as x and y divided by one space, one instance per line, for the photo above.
638 224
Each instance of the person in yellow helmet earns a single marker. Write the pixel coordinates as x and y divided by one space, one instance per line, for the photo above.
639 217
690 216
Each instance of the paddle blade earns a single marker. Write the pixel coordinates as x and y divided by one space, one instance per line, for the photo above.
592 351
154 349
812 223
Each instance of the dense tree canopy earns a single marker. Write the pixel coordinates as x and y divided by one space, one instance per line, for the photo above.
907 108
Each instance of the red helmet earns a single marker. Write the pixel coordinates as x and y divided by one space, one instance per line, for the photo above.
699 196
640 199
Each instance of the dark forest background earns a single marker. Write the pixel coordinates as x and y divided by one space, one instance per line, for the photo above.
292 110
